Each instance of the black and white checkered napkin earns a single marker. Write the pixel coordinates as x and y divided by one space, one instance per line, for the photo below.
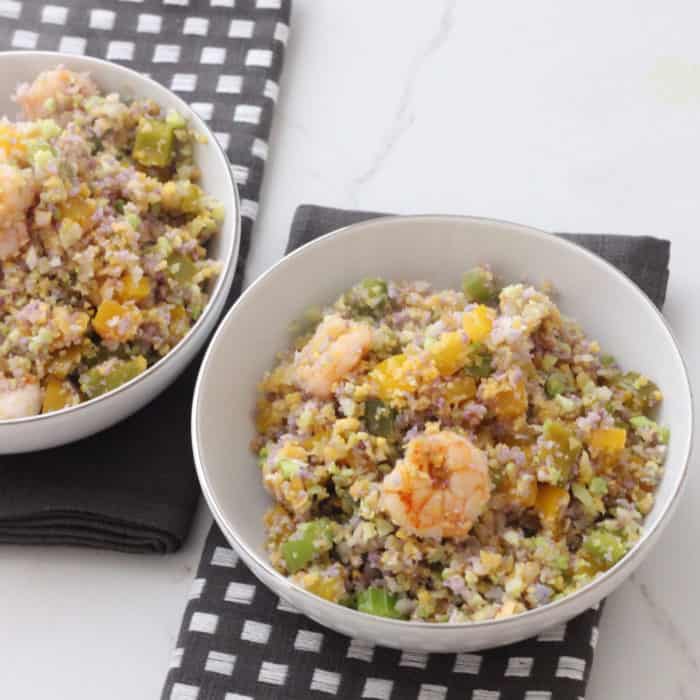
238 641
133 487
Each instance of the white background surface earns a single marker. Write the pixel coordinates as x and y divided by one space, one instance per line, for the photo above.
578 117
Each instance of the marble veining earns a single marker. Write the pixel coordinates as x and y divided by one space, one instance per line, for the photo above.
404 116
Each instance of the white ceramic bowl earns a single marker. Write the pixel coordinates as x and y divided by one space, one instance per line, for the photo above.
67 425
439 249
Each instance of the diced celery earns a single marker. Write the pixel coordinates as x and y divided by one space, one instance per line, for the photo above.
379 418
306 543
478 285
39 148
153 145
378 601
182 196
639 422
566 404
607 360
163 246
557 383
133 220
175 119
110 374
41 159
548 362
644 423
289 467
604 547
582 494
49 128
598 486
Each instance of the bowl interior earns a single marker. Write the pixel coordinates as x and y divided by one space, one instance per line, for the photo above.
23 66
438 249
20 66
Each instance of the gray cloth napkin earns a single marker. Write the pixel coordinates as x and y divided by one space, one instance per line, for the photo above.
644 259
239 641
133 487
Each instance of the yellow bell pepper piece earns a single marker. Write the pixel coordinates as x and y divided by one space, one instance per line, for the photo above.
78 209
450 353
292 450
265 417
460 389
11 144
330 588
57 395
551 502
526 492
66 361
608 439
389 378
134 291
478 323
114 321
178 320
505 400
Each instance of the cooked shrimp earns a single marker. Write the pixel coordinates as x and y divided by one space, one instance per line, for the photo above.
19 401
439 488
335 349
53 92
17 192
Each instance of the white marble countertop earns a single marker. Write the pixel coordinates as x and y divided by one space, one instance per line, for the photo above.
579 117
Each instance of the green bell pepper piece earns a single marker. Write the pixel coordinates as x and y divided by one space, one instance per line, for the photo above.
369 297
379 418
110 374
557 383
604 547
306 542
153 145
480 360
377 601
478 285
185 269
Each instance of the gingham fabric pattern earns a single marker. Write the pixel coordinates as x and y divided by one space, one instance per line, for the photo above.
238 641
224 57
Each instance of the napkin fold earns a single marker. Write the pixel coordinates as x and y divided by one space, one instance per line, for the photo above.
239 641
133 487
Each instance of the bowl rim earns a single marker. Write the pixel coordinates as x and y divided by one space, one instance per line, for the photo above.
323 605
223 281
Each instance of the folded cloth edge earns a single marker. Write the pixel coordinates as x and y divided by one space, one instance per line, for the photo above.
656 255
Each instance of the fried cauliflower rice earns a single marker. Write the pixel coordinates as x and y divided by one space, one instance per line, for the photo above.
103 264
452 456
